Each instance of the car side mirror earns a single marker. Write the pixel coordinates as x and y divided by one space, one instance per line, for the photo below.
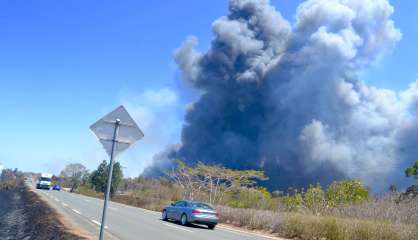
172 204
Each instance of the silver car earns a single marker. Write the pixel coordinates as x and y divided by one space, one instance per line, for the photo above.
191 212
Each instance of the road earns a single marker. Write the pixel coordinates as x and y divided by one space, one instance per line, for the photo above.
126 222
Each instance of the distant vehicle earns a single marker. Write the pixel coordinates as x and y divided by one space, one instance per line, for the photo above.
56 187
44 182
191 212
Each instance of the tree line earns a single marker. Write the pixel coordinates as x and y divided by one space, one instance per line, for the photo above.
216 184
76 174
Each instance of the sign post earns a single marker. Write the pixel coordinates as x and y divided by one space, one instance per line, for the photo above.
109 178
116 131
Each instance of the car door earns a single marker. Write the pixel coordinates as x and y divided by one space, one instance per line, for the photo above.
171 211
178 209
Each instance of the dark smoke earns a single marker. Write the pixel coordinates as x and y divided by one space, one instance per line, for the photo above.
287 99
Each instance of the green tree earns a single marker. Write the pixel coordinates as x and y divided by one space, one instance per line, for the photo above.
98 178
117 177
412 171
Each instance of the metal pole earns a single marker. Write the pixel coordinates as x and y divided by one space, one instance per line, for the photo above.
109 179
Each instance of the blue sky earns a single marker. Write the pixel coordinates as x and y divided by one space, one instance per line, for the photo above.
64 64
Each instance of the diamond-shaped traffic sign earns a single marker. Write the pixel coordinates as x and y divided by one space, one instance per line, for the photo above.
128 131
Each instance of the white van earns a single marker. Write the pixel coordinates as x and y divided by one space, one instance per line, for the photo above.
44 182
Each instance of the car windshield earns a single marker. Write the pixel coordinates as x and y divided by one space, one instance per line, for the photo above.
45 179
202 206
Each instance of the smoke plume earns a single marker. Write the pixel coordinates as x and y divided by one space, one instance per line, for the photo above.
286 98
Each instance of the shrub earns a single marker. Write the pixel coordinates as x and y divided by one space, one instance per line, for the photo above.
10 178
257 198
293 203
412 171
314 198
344 192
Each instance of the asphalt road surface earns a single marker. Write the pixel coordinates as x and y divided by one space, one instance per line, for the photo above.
126 222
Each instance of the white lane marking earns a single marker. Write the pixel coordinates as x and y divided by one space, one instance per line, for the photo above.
180 228
96 222
232 230
244 233
99 224
76 211
64 204
56 199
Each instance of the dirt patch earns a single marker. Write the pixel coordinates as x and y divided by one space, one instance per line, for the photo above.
25 216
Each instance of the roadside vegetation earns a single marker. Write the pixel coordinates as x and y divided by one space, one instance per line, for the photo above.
342 210
25 216
10 179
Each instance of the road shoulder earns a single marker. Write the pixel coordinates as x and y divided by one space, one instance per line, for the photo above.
60 218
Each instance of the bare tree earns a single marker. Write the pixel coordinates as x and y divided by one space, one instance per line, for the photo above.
187 178
73 174
218 180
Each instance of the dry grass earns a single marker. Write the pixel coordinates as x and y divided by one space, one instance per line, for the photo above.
9 184
382 209
252 218
380 219
142 199
137 201
89 192
334 228
304 226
